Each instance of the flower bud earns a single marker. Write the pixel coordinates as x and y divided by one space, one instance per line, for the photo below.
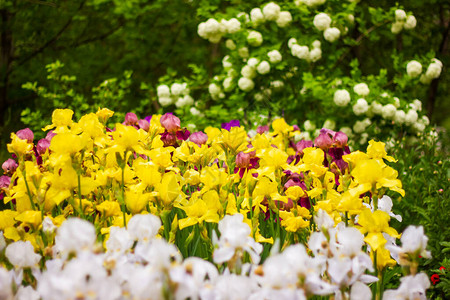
262 129
302 145
50 135
169 139
340 139
170 122
42 146
9 166
144 124
130 119
242 160
199 138
323 141
5 181
26 134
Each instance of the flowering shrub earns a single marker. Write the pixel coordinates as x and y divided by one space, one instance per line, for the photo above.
248 204
290 59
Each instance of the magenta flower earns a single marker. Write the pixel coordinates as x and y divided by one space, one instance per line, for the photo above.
130 119
232 123
5 181
199 138
325 139
302 145
50 135
170 122
42 146
242 160
26 134
9 166
340 139
144 124
262 129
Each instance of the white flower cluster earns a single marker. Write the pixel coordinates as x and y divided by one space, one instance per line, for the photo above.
310 3
322 22
177 94
303 52
433 71
215 91
409 116
413 68
341 97
213 30
137 264
270 12
402 21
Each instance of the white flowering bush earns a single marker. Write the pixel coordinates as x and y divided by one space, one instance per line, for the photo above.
298 60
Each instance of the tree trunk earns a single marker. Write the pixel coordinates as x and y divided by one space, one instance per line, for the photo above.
6 55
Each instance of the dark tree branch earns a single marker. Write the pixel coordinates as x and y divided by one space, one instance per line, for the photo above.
50 41
93 39
43 3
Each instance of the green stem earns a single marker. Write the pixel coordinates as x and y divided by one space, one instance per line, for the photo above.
123 197
79 195
28 189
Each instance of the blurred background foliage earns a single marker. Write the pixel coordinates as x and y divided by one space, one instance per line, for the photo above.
113 53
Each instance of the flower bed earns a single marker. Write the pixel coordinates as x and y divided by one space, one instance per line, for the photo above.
165 213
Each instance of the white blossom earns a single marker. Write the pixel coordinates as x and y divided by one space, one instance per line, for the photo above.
316 44
254 38
284 18
233 25
411 117
292 42
341 97
274 56
399 117
329 124
246 84
361 89
410 23
376 107
75 235
388 111
256 15
165 101
411 287
253 62
331 34
360 107
230 44
21 254
322 21
235 235
413 68
309 125
400 15
315 54
248 72
271 11
434 70
396 27
226 63
263 67
214 89
301 52
227 84
163 91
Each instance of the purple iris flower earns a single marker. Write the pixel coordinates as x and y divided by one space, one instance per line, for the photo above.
232 123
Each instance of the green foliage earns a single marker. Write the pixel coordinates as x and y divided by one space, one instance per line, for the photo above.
424 170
